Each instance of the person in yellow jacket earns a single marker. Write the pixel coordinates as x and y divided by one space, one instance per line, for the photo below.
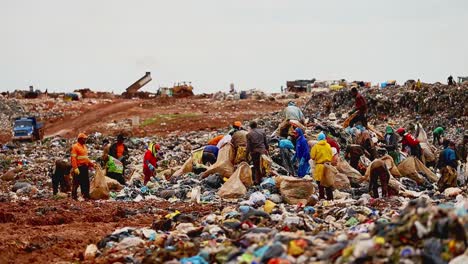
321 153
80 167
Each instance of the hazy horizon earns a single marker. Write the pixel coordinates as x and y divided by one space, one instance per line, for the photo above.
107 45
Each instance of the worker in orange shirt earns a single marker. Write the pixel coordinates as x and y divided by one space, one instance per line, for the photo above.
119 151
80 165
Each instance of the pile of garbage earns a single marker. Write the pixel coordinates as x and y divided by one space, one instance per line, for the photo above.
436 104
262 231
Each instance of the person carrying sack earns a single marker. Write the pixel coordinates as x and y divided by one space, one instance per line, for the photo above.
321 153
80 166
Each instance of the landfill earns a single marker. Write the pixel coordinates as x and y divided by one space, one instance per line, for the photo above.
216 214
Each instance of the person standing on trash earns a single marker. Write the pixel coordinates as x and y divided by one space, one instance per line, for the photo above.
450 80
119 151
448 167
286 151
257 145
360 108
150 162
80 165
437 134
321 153
291 113
302 153
391 144
378 172
239 142
418 85
409 142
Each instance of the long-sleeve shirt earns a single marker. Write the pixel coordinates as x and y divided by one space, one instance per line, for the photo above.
79 155
293 112
149 158
302 147
256 141
361 104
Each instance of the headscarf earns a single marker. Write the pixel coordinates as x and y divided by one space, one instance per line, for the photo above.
321 136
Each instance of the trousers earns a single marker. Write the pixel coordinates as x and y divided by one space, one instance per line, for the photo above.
81 180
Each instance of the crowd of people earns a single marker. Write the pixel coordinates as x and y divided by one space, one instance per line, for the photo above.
300 154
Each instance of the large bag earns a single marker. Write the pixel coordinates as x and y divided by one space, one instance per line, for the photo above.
186 168
241 155
411 167
328 178
342 182
113 185
428 154
295 190
234 187
223 164
99 188
266 163
348 120
344 167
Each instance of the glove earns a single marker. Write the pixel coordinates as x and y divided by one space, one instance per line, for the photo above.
151 167
76 171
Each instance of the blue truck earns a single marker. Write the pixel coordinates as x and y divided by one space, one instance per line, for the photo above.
27 128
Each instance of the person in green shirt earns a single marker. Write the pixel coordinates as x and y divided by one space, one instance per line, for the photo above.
437 134
114 168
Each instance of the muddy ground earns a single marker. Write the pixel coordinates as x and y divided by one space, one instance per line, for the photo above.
52 231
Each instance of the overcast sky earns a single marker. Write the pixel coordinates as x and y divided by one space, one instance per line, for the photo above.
105 45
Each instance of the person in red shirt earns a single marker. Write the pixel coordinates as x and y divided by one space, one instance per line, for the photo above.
361 109
408 141
149 161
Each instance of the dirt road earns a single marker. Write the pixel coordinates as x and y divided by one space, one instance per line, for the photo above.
91 116
160 116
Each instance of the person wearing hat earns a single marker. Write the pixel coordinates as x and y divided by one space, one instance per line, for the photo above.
409 142
80 165
119 151
114 168
149 161
239 142
391 144
332 118
321 153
